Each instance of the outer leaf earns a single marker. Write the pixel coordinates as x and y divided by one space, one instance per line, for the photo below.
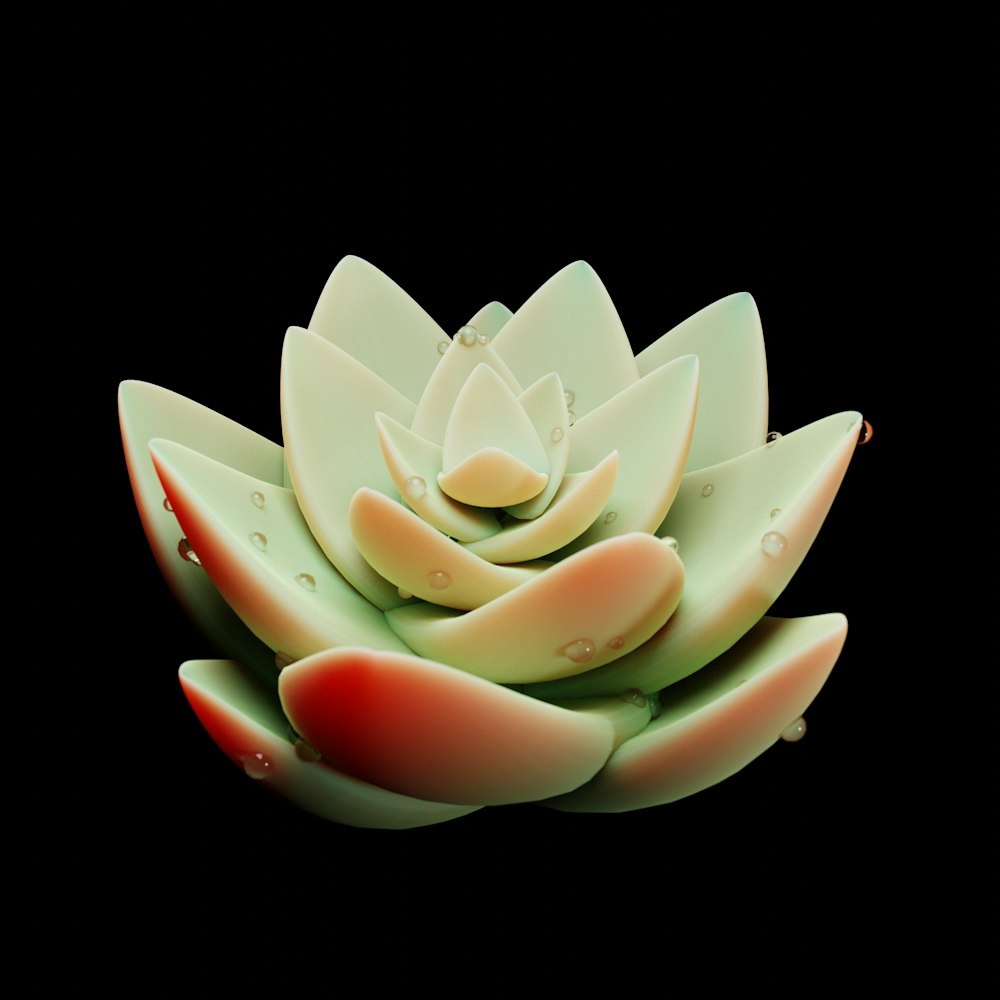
264 559
245 720
732 402
427 730
718 720
146 411
720 518
368 315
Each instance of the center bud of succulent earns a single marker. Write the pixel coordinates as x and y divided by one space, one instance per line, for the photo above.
491 454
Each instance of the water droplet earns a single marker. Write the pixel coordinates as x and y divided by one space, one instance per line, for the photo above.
617 642
405 594
443 346
257 499
167 505
282 660
707 490
257 765
186 552
306 581
580 650
610 516
866 433
772 437
794 732
483 340
438 580
259 540
572 417
775 511
305 752
570 397
634 697
467 335
670 542
773 543
655 708
557 434
415 487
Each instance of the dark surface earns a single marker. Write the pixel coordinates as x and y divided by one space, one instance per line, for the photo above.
204 183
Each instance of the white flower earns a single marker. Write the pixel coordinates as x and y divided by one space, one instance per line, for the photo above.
480 561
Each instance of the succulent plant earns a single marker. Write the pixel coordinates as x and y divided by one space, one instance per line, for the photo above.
522 564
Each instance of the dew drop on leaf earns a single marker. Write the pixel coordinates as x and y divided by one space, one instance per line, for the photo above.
186 552
415 487
257 765
259 540
580 650
794 732
257 499
306 581
773 543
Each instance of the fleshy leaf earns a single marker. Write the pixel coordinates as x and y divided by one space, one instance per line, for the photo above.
426 730
414 464
490 319
732 400
650 425
328 406
368 315
488 417
570 326
147 411
255 545
588 610
492 477
545 404
245 720
459 362
743 528
580 499
718 720
419 559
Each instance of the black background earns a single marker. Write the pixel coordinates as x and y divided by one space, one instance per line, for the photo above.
192 181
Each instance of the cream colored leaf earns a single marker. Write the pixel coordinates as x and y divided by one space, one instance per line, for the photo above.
328 406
